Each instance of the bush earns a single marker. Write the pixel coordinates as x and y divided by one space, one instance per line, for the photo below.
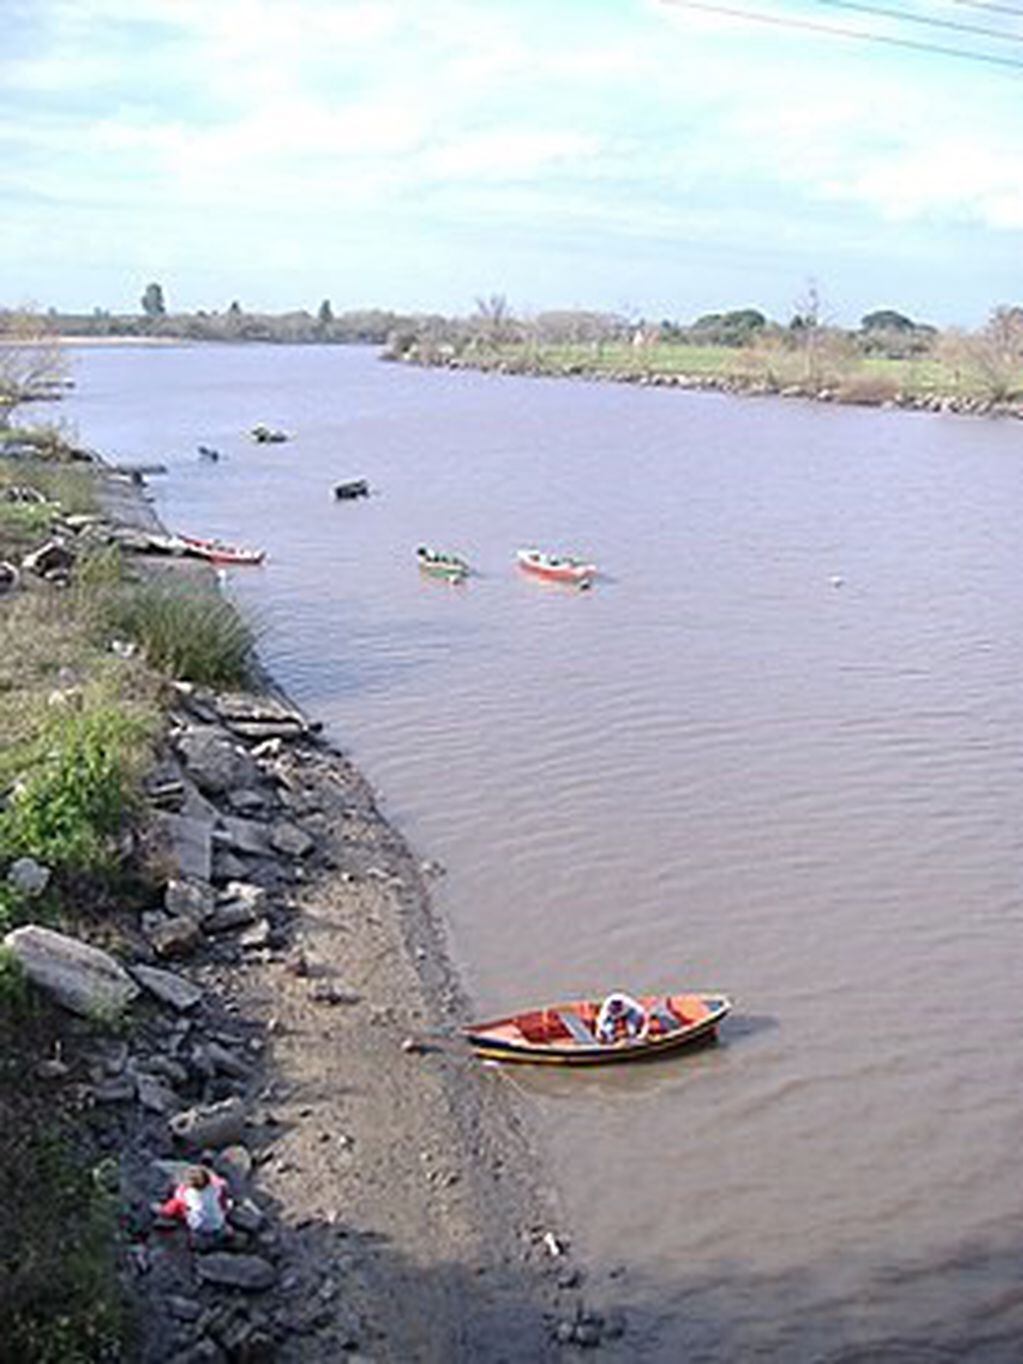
59 1300
78 782
187 630
871 390
13 989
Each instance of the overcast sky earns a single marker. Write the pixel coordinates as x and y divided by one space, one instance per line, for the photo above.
634 155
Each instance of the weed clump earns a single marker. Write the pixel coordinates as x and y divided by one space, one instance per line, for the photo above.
185 630
76 784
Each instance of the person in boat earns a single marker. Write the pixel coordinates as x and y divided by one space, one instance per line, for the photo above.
621 1016
201 1202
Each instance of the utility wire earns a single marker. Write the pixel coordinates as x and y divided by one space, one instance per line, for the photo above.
976 29
833 31
990 7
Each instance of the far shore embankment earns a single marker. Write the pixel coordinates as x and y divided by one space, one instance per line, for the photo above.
914 386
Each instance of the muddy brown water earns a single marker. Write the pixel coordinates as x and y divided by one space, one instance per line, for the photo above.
776 750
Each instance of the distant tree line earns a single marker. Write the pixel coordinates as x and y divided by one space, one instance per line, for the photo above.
369 326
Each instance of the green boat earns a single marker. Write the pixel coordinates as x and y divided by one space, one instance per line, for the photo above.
439 565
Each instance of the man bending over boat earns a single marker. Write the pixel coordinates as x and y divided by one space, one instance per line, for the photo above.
621 1015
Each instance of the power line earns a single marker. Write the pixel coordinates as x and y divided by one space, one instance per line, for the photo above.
991 7
833 31
975 29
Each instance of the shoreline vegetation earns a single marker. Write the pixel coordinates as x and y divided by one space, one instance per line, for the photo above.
889 360
215 949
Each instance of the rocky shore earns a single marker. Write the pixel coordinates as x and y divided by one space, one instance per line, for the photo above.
279 1010
859 394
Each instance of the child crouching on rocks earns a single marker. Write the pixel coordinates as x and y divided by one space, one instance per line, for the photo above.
201 1201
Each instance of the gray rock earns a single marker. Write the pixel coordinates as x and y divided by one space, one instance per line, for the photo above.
239 904
215 761
289 839
116 1091
246 1216
80 978
226 1062
174 937
243 835
191 898
214 1125
154 1095
234 1163
169 988
28 876
250 1273
183 1309
188 843
168 1068
246 801
256 936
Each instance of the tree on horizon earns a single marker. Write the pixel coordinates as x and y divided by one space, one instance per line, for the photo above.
152 301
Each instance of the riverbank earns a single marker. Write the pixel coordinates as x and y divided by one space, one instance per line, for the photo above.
387 1199
920 385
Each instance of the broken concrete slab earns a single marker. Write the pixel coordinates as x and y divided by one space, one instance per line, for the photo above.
219 1124
81 978
169 988
187 842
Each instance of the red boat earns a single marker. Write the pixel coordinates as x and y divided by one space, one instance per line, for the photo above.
558 568
563 1034
217 552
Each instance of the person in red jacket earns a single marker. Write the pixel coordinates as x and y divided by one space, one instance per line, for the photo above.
200 1201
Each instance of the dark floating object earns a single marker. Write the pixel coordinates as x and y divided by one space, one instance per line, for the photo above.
207 452
267 435
356 487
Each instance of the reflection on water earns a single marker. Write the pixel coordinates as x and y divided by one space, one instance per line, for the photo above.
718 769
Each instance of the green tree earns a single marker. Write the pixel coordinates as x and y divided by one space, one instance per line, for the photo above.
152 301
886 319
326 314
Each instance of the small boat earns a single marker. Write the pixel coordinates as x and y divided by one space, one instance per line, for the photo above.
267 435
355 487
217 552
439 565
563 1034
558 568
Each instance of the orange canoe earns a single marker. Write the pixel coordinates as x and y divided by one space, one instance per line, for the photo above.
563 1034
557 568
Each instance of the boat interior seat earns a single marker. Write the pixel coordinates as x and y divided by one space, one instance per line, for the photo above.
575 1025
664 1015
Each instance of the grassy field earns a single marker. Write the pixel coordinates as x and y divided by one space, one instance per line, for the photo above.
845 374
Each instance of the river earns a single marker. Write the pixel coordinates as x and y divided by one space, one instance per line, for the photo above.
777 750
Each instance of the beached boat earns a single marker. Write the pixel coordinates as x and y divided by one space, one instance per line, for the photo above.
439 565
355 487
558 568
217 552
563 1034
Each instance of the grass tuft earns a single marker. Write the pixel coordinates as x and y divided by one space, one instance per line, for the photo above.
186 630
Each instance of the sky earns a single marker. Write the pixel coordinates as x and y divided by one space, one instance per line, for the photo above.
652 158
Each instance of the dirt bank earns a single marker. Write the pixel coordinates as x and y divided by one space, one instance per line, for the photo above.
405 1209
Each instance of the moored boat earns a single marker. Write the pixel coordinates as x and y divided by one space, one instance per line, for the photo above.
355 487
558 568
441 565
217 552
267 435
563 1034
